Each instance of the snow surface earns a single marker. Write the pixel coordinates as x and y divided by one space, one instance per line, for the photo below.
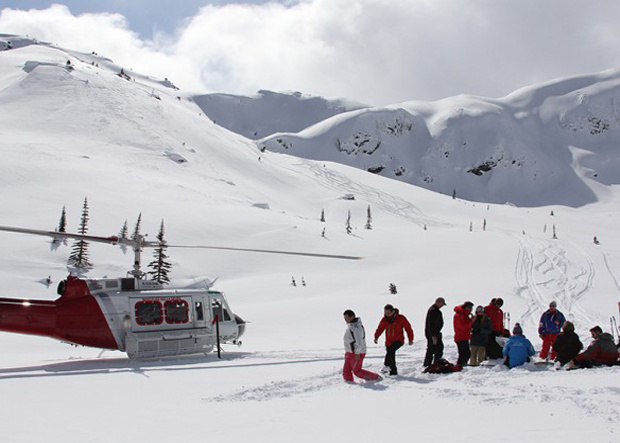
516 149
269 112
69 134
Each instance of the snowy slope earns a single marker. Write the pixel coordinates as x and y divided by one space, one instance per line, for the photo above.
531 148
269 112
66 134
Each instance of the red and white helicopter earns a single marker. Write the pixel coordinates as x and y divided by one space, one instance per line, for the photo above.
131 314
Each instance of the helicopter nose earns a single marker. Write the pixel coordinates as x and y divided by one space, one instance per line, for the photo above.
241 325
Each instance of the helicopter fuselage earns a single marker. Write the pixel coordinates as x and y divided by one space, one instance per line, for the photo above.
131 315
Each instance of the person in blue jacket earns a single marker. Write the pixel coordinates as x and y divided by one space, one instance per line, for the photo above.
518 349
550 326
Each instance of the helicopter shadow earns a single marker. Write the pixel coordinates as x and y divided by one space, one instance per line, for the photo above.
125 365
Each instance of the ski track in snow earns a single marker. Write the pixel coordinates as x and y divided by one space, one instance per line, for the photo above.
544 272
472 385
391 204
611 272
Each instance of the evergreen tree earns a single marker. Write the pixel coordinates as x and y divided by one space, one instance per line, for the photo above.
348 224
123 233
555 237
393 289
62 223
323 215
137 228
79 253
62 227
368 219
160 265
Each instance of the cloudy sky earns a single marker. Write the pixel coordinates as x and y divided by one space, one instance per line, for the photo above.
373 51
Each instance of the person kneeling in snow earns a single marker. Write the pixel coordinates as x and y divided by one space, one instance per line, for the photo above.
517 349
355 349
602 351
567 346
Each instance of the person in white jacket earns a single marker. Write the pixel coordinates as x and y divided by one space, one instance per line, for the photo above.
355 349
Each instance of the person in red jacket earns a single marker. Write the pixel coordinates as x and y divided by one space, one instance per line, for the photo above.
495 313
602 351
393 323
463 320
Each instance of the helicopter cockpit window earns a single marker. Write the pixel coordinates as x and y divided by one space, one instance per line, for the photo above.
177 311
219 311
148 313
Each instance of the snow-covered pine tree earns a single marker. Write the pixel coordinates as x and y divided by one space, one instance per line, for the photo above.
348 224
368 219
160 266
79 253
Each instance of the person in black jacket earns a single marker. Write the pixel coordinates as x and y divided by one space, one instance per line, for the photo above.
432 331
480 331
567 345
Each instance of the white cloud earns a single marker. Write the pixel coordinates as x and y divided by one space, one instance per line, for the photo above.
377 51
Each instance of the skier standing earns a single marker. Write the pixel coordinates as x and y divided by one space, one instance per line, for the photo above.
462 331
551 323
567 346
496 315
518 349
432 332
480 331
393 323
355 349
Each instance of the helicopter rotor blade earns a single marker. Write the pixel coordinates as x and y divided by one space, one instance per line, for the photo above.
269 251
55 234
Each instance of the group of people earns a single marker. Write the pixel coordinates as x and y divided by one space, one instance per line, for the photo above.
479 335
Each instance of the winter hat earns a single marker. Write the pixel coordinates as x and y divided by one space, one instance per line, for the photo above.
468 304
517 330
597 329
479 309
553 304
498 302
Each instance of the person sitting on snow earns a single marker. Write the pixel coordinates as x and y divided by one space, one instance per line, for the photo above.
517 349
602 351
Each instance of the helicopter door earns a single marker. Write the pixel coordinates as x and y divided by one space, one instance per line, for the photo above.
202 314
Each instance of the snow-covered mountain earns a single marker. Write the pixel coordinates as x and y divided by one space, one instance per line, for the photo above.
528 148
269 112
133 144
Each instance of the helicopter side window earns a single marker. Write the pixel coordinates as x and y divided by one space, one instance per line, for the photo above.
177 311
200 316
149 313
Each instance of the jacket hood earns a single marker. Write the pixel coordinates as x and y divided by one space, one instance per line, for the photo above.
606 336
459 309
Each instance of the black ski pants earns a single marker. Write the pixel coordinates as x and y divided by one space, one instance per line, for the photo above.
494 350
390 357
464 352
434 351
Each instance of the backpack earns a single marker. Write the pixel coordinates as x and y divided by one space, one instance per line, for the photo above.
442 367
